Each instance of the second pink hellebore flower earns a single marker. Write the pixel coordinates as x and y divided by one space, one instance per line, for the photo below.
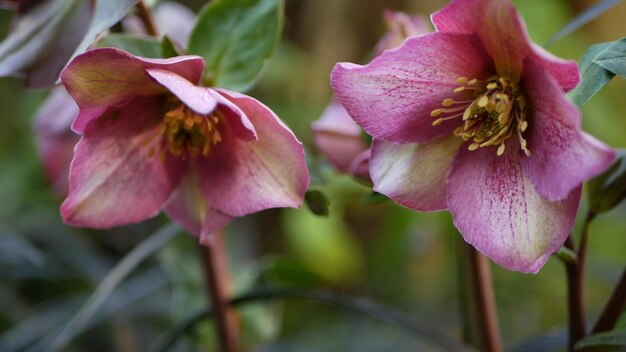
153 140
336 135
473 118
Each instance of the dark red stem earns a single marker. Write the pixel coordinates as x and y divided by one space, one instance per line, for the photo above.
145 15
217 284
614 308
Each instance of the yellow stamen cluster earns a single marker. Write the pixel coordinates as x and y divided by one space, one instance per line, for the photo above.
185 132
496 112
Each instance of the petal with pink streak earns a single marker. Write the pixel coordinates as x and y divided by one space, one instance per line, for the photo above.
113 180
393 96
562 156
236 118
108 77
240 177
338 137
503 33
498 211
199 99
189 209
413 175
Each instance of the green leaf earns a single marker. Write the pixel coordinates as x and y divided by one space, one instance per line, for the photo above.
613 58
134 44
375 198
609 189
169 48
318 202
236 38
582 19
605 341
592 76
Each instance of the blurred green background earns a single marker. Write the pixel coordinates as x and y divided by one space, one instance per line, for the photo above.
402 259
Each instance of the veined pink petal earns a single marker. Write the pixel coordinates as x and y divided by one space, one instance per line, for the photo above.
236 118
338 137
498 211
401 26
563 156
199 99
189 209
109 77
113 180
241 177
503 33
393 96
414 175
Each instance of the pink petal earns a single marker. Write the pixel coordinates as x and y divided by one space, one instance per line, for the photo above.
360 166
413 175
199 99
401 26
338 137
189 209
393 96
235 117
113 181
563 156
498 211
109 77
503 32
55 140
241 177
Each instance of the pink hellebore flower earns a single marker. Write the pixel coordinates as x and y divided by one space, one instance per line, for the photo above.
55 140
473 118
153 140
336 135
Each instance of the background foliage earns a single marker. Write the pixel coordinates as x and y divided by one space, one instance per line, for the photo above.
400 258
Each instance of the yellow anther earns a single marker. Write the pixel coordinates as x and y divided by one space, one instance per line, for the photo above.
523 126
461 80
492 85
523 143
467 113
501 149
438 121
436 112
472 82
447 102
473 146
483 101
458 89
503 118
458 131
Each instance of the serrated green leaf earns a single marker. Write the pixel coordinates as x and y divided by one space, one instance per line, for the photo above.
134 44
318 202
236 38
609 189
605 341
613 58
592 76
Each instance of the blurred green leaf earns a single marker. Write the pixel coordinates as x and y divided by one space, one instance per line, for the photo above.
581 20
593 76
236 38
605 341
169 48
375 198
285 271
134 44
318 202
613 58
609 189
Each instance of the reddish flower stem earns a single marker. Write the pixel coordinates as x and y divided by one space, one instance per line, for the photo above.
484 300
614 308
217 284
145 15
575 285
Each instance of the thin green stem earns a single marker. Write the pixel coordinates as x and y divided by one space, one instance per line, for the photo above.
363 306
614 308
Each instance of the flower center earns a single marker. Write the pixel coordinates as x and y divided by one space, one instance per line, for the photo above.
185 132
496 112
